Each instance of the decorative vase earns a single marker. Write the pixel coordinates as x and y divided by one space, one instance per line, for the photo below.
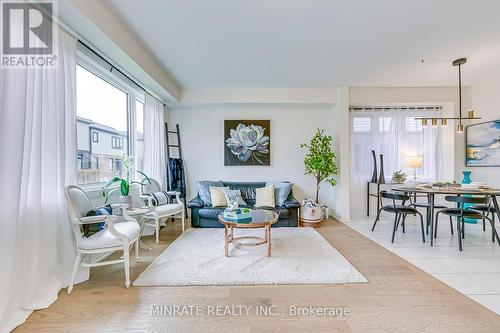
127 199
374 175
466 179
381 178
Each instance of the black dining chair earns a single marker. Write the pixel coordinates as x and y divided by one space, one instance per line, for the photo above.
400 210
462 213
427 207
486 210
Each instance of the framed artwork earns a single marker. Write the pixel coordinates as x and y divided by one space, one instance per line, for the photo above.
247 142
482 145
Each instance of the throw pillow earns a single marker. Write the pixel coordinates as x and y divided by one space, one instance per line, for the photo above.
159 198
264 196
281 191
234 196
204 189
217 196
90 229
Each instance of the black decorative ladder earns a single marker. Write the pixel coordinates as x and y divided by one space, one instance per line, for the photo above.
178 145
179 149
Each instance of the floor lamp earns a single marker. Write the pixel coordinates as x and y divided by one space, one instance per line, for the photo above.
415 162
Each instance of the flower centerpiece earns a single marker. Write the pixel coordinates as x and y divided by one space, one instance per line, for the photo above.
399 177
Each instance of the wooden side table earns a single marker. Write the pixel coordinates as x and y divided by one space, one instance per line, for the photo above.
260 219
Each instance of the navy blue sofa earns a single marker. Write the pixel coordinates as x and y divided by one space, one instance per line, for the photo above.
206 216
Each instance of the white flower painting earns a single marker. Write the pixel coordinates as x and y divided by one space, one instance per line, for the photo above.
247 142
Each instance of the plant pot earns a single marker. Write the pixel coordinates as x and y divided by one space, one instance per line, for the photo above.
127 199
312 214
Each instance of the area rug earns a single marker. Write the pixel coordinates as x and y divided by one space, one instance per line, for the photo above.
299 256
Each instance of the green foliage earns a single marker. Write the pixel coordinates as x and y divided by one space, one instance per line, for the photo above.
124 185
320 160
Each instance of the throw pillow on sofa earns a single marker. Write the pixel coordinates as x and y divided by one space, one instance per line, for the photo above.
234 196
264 196
217 196
204 189
281 191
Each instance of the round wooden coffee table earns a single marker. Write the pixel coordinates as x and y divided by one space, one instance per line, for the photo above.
260 219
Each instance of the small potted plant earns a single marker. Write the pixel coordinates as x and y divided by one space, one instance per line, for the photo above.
399 177
320 163
125 182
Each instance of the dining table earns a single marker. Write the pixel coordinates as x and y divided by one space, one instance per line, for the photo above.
432 191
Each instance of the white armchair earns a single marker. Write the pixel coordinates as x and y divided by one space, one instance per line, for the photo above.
116 236
159 212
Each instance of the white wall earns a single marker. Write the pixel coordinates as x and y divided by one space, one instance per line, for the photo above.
202 135
339 199
485 100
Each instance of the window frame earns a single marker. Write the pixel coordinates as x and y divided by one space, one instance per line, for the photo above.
117 142
104 71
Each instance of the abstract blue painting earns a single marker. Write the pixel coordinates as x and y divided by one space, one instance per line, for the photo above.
483 144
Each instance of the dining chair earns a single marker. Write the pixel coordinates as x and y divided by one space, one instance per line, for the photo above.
462 212
487 210
115 236
427 207
162 205
400 210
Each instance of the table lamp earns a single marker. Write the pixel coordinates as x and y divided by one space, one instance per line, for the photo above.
415 162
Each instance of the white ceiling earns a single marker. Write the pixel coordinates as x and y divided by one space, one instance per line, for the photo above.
313 43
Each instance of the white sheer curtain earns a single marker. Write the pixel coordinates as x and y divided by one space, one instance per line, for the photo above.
154 139
394 133
38 148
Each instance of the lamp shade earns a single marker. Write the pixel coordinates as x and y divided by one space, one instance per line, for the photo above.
415 161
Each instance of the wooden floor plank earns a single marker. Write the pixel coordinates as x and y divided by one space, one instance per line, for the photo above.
398 298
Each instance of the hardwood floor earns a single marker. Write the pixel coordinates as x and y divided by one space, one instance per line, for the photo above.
398 298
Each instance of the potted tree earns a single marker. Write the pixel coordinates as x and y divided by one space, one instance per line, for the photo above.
319 162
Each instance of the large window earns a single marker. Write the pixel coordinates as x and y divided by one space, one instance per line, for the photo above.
101 111
396 134
110 114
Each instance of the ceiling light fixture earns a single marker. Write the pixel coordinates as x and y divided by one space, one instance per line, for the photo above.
470 114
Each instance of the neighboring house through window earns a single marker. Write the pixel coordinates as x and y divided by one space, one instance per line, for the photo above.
108 125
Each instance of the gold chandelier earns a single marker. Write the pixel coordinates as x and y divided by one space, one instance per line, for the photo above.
444 120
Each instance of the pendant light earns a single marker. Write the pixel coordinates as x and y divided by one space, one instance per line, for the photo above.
470 114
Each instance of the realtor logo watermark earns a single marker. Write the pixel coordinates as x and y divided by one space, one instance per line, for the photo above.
29 38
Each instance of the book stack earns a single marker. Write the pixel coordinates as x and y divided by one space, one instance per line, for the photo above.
240 215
